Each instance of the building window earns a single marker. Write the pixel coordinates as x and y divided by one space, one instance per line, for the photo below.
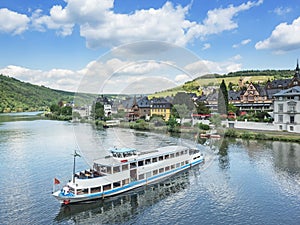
280 127
291 128
280 118
280 107
292 119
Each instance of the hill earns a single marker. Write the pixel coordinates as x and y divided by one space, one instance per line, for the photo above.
255 76
18 96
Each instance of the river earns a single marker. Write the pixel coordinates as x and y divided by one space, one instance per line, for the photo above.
245 182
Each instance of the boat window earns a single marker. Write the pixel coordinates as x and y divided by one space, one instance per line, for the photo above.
182 163
167 168
95 189
172 166
155 172
177 165
181 153
148 174
148 161
103 169
124 182
124 167
160 158
185 152
116 169
154 160
172 155
132 165
177 154
141 163
161 170
167 156
108 168
141 176
117 184
186 162
82 191
106 187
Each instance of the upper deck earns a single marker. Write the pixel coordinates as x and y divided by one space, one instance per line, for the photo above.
120 156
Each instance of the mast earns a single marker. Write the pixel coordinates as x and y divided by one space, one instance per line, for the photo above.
74 162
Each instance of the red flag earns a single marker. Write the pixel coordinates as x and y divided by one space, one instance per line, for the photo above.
56 181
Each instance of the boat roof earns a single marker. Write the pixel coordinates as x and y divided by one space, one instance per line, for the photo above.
122 150
111 161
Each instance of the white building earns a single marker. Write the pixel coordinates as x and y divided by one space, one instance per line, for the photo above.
287 109
107 110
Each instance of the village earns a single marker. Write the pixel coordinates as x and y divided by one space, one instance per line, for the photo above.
273 106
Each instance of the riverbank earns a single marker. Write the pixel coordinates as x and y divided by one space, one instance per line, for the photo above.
195 132
262 135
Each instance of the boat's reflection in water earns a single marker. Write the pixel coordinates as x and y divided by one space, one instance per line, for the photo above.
123 207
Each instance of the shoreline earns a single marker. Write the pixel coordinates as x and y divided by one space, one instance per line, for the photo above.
224 132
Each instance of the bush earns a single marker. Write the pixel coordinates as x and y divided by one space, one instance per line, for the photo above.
260 136
230 133
203 126
246 135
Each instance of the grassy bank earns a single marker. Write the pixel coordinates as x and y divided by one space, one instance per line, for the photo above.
262 135
232 133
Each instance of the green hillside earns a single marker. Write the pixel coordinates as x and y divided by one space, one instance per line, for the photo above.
18 96
255 76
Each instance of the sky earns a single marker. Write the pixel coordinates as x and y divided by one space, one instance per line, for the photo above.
142 46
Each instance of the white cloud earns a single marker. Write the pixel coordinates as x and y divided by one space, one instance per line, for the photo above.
117 76
182 78
206 46
281 11
285 37
101 26
236 57
203 67
243 42
12 22
56 78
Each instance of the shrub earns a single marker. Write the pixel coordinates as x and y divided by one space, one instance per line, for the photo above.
230 133
246 135
260 136
203 126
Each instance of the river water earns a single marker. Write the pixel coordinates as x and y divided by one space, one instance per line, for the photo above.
244 182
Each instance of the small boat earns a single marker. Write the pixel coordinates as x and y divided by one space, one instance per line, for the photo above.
210 136
126 169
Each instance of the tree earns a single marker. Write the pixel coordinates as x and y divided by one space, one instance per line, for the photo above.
172 124
223 99
232 108
97 111
54 108
201 108
180 111
182 98
66 111
216 120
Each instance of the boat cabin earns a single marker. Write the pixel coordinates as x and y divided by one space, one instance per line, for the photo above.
122 153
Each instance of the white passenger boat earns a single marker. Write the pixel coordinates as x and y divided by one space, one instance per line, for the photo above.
126 169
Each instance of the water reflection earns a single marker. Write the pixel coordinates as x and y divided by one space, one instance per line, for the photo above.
223 155
123 207
24 116
286 156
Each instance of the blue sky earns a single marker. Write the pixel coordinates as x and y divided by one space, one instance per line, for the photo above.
58 43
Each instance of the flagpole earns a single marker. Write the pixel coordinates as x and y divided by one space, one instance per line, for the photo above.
74 167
